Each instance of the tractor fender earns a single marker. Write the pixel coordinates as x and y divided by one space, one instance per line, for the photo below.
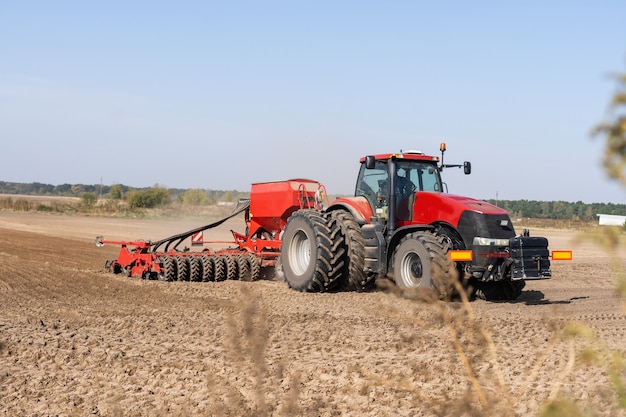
359 207
400 232
446 229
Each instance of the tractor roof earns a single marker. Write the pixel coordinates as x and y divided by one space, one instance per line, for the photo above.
410 155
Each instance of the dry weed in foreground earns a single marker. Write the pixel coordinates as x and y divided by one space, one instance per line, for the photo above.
486 391
595 351
611 239
245 345
480 390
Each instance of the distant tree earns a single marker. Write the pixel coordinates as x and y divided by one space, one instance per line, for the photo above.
42 189
63 189
614 131
116 193
195 197
227 196
153 197
88 200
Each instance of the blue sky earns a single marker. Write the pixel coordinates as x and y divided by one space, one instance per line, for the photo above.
213 94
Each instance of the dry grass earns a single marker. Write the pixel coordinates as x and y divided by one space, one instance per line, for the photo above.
111 208
578 225
245 344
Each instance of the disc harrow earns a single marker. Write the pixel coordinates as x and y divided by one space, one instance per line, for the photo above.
205 268
247 254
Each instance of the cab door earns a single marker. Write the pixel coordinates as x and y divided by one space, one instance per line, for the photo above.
372 184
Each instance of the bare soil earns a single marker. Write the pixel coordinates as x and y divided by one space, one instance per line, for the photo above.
77 341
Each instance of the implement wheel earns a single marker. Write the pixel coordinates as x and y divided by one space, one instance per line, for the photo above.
243 268
207 269
312 253
219 268
182 265
195 268
231 267
255 266
169 269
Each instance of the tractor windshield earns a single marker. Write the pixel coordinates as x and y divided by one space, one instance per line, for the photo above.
412 176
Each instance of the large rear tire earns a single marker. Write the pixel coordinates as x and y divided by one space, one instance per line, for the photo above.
420 261
354 260
312 254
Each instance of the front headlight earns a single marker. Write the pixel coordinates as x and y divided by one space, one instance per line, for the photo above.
485 241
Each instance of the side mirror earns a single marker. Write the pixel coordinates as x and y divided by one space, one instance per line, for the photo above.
370 162
467 167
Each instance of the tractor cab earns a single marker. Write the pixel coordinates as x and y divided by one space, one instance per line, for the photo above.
397 176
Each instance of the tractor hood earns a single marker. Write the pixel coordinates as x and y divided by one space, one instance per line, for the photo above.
430 207
470 217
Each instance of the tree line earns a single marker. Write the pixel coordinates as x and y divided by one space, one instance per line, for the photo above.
159 195
558 210
145 197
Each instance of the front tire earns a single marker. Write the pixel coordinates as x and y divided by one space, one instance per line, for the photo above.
420 261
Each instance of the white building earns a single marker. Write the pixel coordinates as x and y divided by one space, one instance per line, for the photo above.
611 220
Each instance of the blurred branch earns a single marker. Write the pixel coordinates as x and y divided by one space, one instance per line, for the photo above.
614 131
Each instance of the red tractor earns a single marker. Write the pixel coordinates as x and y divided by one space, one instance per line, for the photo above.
400 224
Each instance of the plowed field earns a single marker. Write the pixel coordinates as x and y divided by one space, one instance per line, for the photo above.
76 341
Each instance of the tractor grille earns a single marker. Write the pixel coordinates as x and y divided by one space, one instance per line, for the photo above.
487 235
493 226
